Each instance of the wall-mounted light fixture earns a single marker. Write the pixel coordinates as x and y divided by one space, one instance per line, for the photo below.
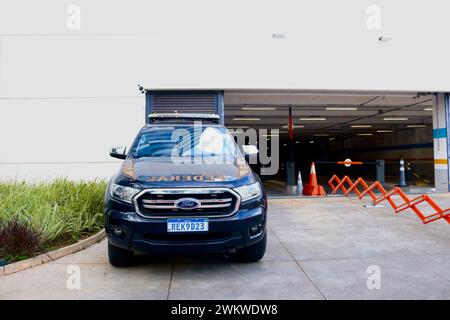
384 39
279 36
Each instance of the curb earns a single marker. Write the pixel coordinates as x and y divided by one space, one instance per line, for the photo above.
52 255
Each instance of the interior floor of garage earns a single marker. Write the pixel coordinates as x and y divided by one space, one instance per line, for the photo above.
277 189
332 127
324 249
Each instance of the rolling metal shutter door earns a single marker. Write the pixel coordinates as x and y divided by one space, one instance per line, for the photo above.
184 102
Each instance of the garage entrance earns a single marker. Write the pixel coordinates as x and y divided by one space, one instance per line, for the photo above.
334 126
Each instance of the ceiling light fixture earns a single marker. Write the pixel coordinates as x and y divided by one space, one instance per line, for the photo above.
258 108
361 126
246 119
395 119
416 126
365 134
312 119
428 109
321 135
341 108
384 131
238 127
293 126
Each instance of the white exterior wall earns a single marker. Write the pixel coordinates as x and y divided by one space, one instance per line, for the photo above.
67 95
48 138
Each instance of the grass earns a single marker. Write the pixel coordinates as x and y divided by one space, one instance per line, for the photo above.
59 212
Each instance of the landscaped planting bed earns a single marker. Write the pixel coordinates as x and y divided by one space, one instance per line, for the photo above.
35 218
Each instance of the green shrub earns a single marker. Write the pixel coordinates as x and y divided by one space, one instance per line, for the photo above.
60 210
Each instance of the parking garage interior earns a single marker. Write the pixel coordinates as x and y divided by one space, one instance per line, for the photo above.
333 126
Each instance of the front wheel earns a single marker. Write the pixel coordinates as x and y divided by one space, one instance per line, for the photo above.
119 257
253 252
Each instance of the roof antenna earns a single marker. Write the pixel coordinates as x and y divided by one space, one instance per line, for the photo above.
141 88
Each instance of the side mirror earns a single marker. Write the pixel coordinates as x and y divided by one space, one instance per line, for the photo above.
118 152
250 150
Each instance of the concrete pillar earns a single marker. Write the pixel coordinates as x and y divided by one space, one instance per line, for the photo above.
440 142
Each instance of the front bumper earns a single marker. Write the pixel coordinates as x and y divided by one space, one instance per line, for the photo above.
150 234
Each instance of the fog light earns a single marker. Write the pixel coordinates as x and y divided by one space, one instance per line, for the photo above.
255 230
117 232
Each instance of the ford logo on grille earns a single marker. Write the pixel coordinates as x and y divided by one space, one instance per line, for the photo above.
187 203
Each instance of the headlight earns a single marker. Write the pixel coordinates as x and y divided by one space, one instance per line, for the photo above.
122 193
250 191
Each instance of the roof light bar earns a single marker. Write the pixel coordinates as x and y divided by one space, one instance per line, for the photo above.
183 116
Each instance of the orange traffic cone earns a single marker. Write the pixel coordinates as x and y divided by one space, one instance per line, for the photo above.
312 188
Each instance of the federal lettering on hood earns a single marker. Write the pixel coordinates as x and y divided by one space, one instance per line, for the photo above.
186 178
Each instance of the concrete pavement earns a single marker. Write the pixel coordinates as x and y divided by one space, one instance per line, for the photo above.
317 249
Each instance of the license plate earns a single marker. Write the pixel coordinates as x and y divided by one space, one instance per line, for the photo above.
187 225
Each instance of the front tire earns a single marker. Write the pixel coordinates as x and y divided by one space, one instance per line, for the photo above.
253 252
119 257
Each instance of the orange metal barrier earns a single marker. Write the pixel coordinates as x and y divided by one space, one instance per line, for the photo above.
347 186
349 162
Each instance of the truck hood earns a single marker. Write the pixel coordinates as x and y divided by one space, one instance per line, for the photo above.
163 172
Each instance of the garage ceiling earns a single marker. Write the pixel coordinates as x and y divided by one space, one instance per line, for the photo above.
333 113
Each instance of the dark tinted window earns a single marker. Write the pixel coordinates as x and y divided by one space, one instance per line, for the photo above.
185 141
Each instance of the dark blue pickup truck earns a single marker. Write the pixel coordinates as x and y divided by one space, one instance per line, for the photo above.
184 186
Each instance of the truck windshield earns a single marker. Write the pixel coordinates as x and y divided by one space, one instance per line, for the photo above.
185 141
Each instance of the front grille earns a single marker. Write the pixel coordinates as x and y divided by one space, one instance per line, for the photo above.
161 202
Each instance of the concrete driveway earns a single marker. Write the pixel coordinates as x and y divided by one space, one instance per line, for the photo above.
329 248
